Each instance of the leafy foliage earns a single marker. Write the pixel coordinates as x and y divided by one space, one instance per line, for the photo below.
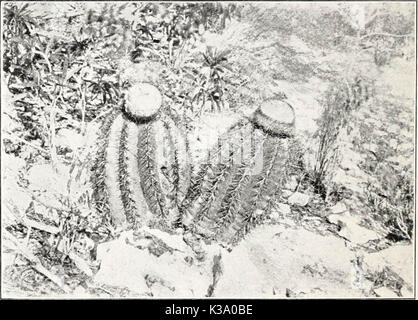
339 102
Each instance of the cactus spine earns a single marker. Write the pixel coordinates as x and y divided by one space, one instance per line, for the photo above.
142 174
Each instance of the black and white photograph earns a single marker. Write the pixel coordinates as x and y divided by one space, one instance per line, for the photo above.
208 150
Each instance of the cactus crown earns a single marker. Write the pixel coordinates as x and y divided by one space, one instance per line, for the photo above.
142 103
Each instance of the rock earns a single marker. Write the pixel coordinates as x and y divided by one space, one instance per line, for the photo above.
384 292
338 208
290 293
286 193
175 241
8 259
168 275
350 228
393 143
81 293
283 208
299 199
276 256
291 184
275 216
406 147
67 138
399 258
401 160
196 245
406 293
122 265
43 177
189 260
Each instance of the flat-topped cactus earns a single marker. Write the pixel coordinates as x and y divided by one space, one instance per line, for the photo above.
276 117
142 174
142 102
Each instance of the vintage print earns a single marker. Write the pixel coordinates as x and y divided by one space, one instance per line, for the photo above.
208 149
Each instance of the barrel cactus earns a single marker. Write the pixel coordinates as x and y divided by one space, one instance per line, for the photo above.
239 191
127 178
142 175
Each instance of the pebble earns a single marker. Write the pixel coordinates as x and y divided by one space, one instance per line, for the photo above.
299 199
350 228
338 208
385 293
283 208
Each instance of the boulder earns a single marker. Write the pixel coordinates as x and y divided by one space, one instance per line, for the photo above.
384 292
406 292
50 183
67 138
338 208
170 274
399 258
283 208
274 258
298 198
292 184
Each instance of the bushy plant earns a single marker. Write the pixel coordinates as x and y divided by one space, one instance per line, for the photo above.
338 104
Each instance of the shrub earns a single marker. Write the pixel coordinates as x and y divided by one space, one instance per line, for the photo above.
338 104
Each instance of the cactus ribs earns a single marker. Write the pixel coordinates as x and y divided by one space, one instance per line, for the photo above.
141 175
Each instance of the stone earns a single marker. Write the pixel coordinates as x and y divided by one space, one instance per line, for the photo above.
292 184
350 160
298 198
275 216
283 208
286 193
372 147
406 147
44 177
170 274
406 292
80 293
276 256
49 182
384 292
338 208
350 228
399 258
68 138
